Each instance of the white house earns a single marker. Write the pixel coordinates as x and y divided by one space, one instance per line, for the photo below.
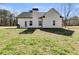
36 19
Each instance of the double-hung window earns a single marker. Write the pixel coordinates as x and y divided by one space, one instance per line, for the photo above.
53 22
30 23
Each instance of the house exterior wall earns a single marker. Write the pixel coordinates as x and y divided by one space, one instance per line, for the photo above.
36 19
48 20
21 22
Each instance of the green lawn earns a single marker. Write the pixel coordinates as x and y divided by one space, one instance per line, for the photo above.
39 41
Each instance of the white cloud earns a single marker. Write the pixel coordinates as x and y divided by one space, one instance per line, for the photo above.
10 9
6 7
76 6
36 6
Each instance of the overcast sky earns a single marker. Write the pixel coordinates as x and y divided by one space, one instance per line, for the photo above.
43 7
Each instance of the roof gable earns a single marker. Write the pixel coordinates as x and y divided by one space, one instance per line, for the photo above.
52 9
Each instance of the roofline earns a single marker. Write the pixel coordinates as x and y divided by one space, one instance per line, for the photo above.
54 10
24 17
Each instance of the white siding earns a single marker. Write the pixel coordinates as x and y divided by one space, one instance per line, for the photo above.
21 22
36 19
48 20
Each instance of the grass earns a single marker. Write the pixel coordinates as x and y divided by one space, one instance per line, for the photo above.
39 41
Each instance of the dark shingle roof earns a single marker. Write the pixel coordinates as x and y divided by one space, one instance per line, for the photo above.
25 15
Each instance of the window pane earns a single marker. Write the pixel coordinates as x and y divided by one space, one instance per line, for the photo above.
25 23
30 23
40 23
54 22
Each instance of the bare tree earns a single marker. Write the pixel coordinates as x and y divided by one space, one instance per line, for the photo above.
67 11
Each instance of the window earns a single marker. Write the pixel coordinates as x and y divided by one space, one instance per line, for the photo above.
54 22
30 23
25 23
40 23
43 16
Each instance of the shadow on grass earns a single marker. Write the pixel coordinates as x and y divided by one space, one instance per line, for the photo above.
28 31
59 31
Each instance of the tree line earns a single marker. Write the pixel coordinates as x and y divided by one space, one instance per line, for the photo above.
69 10
7 18
73 21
